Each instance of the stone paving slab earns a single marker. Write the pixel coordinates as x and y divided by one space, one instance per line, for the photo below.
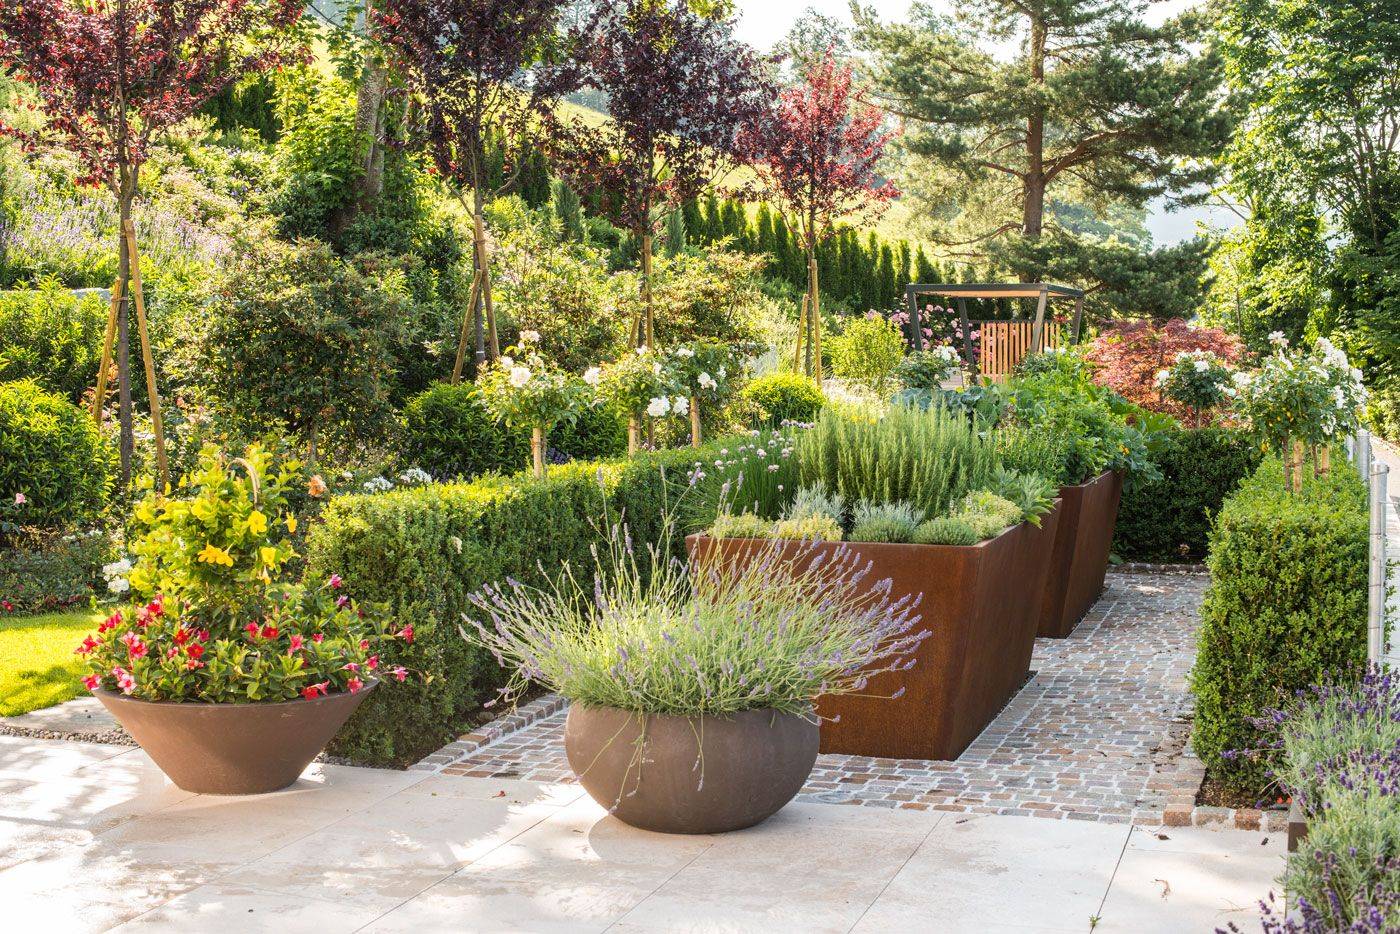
83 718
107 843
1098 734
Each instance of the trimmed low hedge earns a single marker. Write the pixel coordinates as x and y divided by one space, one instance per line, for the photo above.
1169 519
1286 605
424 550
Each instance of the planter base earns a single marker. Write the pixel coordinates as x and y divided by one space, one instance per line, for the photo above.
1297 827
233 749
1079 561
690 775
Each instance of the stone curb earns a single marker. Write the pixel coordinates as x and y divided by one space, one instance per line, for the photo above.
1195 569
510 722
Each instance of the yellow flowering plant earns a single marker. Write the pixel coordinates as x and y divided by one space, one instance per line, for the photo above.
219 615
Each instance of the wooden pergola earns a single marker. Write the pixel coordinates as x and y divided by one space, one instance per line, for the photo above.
1042 292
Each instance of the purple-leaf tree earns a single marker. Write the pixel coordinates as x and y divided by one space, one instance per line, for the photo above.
681 92
817 157
470 61
111 76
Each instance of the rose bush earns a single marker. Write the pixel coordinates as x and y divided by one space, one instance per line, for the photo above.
526 391
217 617
1199 381
639 381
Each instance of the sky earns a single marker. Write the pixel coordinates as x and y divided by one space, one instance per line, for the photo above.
764 22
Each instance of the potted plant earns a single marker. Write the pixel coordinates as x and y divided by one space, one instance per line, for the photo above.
920 496
692 694
229 674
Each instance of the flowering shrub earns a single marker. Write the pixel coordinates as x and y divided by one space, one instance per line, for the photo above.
772 632
1128 356
216 618
1198 381
641 381
927 369
1312 399
1339 758
525 391
700 373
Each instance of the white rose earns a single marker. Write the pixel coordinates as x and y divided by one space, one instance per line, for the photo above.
681 406
529 337
592 375
507 362
684 352
1162 377
519 376
119 585
659 407
1202 366
707 381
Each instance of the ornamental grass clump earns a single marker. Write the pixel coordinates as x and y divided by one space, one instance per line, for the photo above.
773 631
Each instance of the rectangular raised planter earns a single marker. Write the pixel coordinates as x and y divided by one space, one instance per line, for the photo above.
1297 826
1079 563
981 604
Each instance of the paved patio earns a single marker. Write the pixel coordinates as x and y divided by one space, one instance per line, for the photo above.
1099 734
92 837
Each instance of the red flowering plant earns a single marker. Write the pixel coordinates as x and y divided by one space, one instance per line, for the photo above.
219 617
1128 356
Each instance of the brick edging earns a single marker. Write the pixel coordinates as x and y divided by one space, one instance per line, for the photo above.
512 721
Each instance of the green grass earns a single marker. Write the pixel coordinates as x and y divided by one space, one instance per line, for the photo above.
37 664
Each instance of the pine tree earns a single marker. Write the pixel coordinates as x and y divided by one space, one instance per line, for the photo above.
568 209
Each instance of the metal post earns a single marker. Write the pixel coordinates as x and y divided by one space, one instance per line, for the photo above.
1376 615
1361 455
916 331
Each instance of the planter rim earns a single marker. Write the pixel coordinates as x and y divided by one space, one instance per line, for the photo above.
1091 481
692 716
982 544
370 684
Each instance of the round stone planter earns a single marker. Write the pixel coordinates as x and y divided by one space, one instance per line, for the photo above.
690 774
233 749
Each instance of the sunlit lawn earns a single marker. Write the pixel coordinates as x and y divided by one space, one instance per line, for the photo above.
37 664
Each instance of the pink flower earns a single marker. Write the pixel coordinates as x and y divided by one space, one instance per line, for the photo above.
295 645
91 682
372 662
111 622
125 681
20 500
89 643
336 582
194 650
134 646
252 630
318 637
407 633
341 602
312 691
364 645
352 666
399 672
355 685
6 605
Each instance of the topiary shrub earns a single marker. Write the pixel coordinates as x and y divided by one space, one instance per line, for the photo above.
54 466
946 530
1286 605
784 397
1169 519
423 550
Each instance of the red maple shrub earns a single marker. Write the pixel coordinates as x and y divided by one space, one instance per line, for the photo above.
1127 356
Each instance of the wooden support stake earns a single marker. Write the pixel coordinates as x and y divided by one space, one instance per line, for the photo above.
1038 329
694 421
1078 319
136 292
107 343
797 366
966 326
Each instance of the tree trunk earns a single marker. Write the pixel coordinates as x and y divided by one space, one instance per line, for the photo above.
1033 186
646 329
634 434
369 124
487 344
694 421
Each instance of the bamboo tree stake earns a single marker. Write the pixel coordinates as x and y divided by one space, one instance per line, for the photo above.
537 450
801 332
107 343
483 269
694 421
136 292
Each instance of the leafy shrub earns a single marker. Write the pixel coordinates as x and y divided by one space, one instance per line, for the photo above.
927 369
449 433
53 462
741 525
300 338
785 397
1169 518
46 572
1286 604
422 551
52 337
946 530
868 352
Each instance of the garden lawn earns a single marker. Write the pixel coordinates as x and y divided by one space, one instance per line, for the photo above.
37 664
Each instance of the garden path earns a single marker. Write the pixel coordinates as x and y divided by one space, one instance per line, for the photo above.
1098 734
93 837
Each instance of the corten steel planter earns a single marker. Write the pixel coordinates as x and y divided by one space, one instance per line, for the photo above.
1079 562
233 749
980 603
690 775
1297 826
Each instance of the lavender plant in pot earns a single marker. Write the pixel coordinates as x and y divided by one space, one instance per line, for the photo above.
230 673
692 693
